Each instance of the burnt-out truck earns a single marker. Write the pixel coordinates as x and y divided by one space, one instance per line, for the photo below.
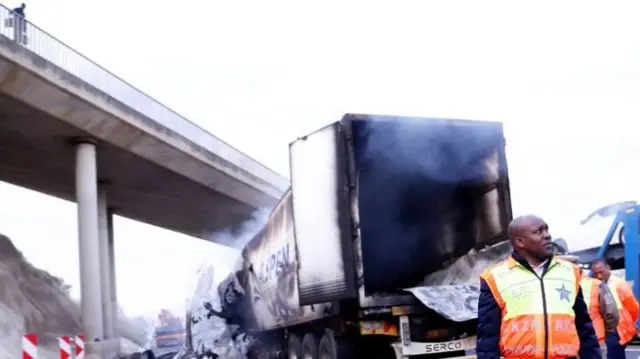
377 204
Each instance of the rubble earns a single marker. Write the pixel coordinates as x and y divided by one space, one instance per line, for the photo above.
211 336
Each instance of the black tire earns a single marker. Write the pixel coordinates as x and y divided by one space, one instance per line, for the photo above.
310 346
294 347
331 347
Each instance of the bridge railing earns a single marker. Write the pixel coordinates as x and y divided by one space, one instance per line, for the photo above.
55 51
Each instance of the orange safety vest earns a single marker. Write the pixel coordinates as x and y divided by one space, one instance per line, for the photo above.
626 326
538 320
591 293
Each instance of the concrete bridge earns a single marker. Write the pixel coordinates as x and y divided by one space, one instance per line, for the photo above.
71 129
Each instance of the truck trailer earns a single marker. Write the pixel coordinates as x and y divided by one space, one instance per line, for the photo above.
377 206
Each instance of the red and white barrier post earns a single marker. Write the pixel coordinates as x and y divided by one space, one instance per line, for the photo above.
69 346
79 344
65 344
30 346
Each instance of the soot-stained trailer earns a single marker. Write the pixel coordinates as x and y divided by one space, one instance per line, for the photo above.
380 202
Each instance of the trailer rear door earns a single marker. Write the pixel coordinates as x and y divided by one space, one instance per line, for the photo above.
321 216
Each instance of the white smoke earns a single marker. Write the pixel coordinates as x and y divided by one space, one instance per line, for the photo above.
205 279
239 236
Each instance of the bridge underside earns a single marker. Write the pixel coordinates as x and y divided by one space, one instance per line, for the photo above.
37 152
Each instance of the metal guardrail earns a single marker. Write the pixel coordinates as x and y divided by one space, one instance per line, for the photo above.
48 47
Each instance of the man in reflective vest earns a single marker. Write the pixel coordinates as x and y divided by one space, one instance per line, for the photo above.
601 305
531 305
627 307
602 308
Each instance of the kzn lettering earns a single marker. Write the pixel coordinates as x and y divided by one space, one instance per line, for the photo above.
526 325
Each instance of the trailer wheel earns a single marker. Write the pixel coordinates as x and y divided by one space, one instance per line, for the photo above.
331 347
310 346
294 347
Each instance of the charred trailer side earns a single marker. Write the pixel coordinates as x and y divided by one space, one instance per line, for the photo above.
262 296
382 205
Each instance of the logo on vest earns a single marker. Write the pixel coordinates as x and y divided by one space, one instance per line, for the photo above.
564 293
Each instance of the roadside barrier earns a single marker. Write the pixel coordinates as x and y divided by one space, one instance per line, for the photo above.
30 346
69 346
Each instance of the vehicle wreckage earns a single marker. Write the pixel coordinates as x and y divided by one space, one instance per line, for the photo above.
375 251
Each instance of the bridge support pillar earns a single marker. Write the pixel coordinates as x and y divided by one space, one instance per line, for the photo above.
105 261
89 239
112 273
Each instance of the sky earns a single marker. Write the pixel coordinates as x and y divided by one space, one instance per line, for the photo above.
563 77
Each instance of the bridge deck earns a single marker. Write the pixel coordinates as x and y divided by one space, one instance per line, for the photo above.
161 168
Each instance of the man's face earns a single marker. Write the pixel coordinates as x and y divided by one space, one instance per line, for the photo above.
601 271
534 238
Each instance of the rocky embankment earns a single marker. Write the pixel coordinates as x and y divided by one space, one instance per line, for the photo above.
34 301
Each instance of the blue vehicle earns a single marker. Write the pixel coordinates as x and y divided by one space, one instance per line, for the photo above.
621 245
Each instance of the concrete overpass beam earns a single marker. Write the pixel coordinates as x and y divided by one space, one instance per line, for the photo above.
89 239
105 262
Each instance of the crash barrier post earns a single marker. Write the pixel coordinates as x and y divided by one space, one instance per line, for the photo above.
79 341
69 346
30 346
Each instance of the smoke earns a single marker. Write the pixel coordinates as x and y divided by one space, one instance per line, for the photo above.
238 236
207 278
435 149
421 189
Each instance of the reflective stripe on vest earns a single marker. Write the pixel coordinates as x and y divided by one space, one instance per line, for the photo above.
538 320
591 293
626 326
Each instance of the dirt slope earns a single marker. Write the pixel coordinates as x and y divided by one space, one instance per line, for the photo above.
32 301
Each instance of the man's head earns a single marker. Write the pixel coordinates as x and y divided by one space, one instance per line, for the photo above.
23 6
601 270
529 236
